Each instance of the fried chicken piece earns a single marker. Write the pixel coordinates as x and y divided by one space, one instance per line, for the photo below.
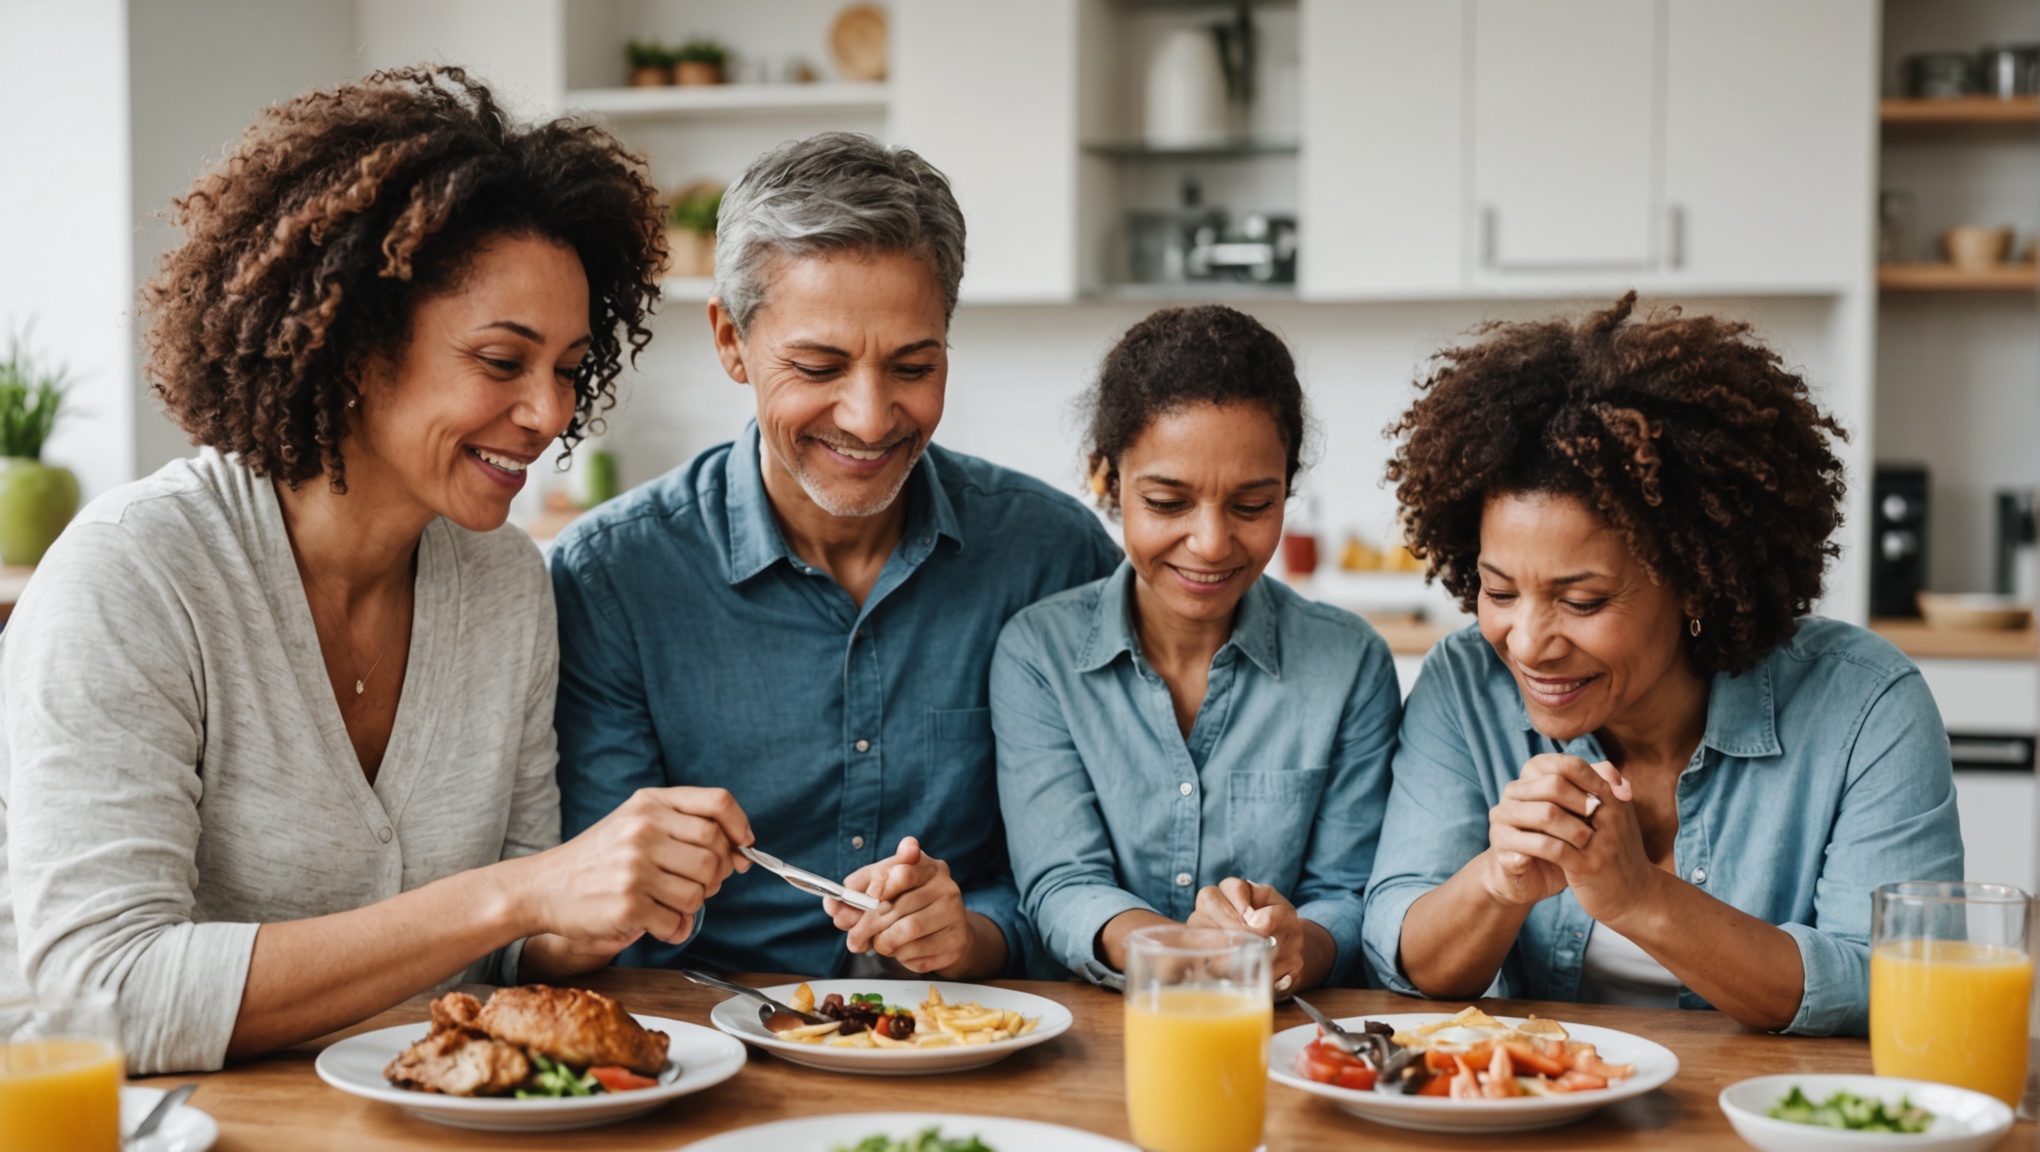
459 1062
574 1027
455 1010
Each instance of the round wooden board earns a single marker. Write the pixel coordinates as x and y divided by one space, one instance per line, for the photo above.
857 40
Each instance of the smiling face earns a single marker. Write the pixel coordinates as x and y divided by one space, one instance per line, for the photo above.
483 385
1201 492
849 359
1589 636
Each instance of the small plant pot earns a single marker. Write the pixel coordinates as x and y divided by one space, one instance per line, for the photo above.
650 77
1975 247
694 73
36 501
690 253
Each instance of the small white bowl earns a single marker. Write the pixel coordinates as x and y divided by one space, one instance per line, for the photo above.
1964 1121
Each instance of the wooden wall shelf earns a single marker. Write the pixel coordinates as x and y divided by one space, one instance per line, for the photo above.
1916 639
1968 110
1949 278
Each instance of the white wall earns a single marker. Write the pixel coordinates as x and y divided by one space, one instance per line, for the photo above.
202 72
65 259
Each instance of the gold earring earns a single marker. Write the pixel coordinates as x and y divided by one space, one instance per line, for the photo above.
1693 626
351 403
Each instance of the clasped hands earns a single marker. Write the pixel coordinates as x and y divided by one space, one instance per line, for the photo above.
1565 823
647 868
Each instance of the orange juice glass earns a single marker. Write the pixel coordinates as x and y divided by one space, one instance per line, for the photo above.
60 1073
1951 985
1199 1011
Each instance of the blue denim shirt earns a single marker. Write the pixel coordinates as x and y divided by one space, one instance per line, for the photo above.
695 648
1282 781
1824 772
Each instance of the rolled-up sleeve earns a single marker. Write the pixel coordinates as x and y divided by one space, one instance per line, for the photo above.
1437 818
1339 860
105 732
1897 822
1055 831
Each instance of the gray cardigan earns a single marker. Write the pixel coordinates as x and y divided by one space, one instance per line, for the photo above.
175 771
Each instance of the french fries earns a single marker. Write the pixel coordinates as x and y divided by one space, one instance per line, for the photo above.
937 1024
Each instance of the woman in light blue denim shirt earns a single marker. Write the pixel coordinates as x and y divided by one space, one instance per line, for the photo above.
1644 777
1185 741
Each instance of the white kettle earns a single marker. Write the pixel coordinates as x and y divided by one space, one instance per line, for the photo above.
1186 96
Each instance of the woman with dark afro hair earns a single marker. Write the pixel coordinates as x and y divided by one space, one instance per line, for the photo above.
1647 776
279 746
1186 741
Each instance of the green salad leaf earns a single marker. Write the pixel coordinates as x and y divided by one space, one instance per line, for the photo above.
926 1140
556 1080
1853 1112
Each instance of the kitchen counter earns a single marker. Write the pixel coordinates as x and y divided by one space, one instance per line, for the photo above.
1917 640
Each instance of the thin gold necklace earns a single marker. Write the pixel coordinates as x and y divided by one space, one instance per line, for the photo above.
360 677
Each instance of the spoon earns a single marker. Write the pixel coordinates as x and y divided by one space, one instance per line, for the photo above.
163 1108
776 1017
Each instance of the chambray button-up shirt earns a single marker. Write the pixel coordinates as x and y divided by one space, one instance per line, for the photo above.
697 649
1824 772
1283 779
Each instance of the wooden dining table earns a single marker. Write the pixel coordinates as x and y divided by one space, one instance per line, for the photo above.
1077 1079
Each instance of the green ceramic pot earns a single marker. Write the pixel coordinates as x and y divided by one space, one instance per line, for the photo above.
36 501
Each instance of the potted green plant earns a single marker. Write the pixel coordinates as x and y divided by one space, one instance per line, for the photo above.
36 499
650 63
699 61
690 229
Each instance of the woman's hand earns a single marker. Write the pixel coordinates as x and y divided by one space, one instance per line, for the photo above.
645 868
1261 910
920 920
1549 805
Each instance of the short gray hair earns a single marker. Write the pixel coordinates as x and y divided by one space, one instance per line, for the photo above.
839 191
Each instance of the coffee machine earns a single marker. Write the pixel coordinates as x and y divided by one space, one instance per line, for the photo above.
1898 539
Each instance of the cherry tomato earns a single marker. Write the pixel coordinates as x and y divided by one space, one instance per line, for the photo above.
617 1079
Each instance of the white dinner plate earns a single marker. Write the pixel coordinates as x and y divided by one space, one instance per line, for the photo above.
1964 1121
738 1016
827 1133
185 1129
1655 1064
697 1058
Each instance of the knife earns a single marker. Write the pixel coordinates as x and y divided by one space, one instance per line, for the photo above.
807 881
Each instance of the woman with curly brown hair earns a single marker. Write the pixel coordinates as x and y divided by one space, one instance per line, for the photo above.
279 747
1648 776
1186 741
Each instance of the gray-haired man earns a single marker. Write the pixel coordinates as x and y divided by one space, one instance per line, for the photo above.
806 616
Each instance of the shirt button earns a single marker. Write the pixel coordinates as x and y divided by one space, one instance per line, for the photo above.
857 841
1699 875
1182 879
1185 788
864 745
383 834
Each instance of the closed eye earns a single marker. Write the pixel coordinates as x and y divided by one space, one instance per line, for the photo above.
1583 607
1164 505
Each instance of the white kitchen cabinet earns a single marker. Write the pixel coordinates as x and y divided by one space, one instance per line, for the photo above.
1769 140
987 91
1382 172
1564 100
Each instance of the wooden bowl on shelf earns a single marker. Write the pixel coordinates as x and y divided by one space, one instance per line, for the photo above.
1972 246
1974 611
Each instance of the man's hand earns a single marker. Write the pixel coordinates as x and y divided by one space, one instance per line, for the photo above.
920 920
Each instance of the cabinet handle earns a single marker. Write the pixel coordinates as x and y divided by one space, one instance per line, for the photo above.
1488 229
1675 236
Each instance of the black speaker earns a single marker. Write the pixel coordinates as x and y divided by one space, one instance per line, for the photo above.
1898 539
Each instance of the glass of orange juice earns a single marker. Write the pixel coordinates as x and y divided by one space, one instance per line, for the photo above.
1951 984
1199 1011
60 1073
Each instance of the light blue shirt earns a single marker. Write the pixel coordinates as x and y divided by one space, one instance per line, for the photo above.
696 648
1282 781
1824 772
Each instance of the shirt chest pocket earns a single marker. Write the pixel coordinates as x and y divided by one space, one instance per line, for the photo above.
960 740
1268 821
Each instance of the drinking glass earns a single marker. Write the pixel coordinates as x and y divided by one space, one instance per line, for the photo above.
1951 985
1199 1012
60 1073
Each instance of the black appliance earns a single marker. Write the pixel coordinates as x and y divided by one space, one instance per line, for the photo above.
1898 539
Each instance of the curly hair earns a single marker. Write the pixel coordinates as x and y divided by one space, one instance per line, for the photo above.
1682 433
1209 354
307 248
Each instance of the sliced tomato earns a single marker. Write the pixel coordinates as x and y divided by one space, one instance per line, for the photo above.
1358 1077
1313 1066
1440 1085
617 1079
1438 1061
